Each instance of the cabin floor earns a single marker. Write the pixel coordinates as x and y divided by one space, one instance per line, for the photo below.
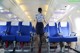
26 49
35 50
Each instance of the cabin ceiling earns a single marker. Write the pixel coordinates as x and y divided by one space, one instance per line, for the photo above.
25 10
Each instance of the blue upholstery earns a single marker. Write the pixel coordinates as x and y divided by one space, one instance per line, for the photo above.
53 34
13 33
64 30
54 39
25 33
4 30
23 38
66 33
25 30
69 39
53 31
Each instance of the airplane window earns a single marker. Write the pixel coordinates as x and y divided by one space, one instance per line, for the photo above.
15 23
2 23
77 24
63 24
26 23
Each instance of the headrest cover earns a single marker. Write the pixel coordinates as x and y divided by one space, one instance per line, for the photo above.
3 23
26 23
51 24
14 23
63 24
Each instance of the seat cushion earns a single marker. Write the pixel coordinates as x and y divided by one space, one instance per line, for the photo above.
69 39
8 38
23 38
54 39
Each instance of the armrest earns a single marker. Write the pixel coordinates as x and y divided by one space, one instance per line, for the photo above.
73 34
4 32
60 34
46 34
32 34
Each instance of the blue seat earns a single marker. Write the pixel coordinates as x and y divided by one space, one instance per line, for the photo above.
25 33
3 29
53 34
33 30
64 29
13 32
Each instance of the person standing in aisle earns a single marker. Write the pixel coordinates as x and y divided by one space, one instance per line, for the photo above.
40 27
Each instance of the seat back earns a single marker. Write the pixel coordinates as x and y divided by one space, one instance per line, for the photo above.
26 28
46 28
14 28
52 29
4 27
33 30
64 28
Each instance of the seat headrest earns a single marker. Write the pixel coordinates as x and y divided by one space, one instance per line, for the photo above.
51 24
63 24
26 23
3 23
14 23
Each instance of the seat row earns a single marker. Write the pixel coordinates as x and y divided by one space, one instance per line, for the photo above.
22 32
16 32
58 33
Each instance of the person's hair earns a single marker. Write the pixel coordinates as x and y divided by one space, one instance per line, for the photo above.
40 10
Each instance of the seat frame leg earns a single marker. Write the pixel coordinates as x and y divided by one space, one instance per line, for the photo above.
14 42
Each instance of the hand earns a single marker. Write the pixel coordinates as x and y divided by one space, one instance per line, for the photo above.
45 21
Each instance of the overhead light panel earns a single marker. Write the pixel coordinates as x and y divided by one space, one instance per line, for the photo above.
23 7
46 7
19 1
26 13
45 13
29 17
